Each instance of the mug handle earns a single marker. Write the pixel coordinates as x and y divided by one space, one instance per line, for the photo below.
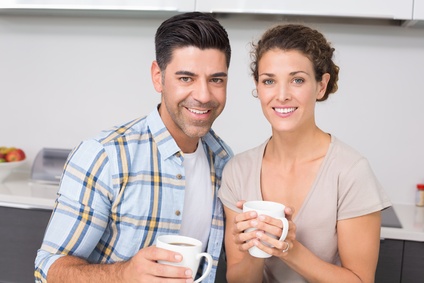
208 268
285 228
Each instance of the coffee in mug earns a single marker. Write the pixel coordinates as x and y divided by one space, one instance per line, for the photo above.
182 244
191 251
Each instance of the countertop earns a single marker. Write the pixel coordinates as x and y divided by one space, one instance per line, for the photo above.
18 191
412 219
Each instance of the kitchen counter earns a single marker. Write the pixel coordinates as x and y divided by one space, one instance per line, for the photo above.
411 218
18 191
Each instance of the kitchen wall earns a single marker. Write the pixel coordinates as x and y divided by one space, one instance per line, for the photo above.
64 77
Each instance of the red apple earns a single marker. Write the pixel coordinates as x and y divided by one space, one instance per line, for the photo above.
15 155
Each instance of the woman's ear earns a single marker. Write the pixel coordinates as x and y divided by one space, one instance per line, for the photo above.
156 74
323 85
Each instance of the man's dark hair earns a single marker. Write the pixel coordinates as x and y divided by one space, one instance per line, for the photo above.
190 29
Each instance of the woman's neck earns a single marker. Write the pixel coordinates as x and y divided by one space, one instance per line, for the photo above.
298 147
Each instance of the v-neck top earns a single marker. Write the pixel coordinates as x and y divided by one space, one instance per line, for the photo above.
345 187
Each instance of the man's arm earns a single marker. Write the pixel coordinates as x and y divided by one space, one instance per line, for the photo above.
141 268
74 269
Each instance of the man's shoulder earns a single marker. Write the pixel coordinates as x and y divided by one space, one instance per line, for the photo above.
123 132
218 146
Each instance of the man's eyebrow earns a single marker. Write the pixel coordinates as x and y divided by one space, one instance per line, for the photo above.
191 74
185 73
220 74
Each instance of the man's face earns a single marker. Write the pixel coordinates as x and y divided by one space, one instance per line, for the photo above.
193 88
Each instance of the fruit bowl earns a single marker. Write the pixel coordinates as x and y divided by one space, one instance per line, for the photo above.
6 168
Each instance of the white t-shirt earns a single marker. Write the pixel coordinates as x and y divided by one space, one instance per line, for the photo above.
198 201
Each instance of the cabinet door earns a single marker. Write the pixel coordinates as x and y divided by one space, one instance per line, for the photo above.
139 5
413 262
21 234
389 9
418 10
389 268
221 271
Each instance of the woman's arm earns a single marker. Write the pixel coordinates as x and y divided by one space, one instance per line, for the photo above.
358 244
241 266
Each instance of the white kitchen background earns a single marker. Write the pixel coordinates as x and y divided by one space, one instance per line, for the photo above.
65 77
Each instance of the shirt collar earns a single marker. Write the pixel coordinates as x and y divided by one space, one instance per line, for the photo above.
162 137
167 145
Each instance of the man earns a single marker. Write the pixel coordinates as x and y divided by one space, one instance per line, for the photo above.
155 175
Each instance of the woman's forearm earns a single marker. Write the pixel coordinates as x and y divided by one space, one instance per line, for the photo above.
316 270
249 270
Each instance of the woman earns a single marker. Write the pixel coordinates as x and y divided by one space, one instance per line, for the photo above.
333 197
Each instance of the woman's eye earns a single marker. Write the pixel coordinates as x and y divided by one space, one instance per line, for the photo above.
268 82
298 81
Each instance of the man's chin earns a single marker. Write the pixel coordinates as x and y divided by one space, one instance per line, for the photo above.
197 132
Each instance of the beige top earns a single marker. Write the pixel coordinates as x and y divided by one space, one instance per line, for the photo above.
345 187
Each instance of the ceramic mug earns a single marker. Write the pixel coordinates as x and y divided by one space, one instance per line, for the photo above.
191 251
273 209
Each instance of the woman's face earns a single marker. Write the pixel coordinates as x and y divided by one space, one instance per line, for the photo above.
288 90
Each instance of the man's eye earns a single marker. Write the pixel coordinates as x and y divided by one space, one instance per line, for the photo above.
185 79
217 80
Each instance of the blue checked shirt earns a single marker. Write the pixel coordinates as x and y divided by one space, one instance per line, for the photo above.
121 190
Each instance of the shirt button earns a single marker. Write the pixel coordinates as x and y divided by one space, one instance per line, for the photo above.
177 212
179 176
178 154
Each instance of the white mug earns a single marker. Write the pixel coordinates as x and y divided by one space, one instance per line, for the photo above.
273 209
189 248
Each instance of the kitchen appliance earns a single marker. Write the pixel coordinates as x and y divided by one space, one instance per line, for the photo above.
389 218
48 165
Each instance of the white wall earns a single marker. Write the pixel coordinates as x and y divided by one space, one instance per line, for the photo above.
64 78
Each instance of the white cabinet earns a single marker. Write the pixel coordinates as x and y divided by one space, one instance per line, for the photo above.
137 5
418 10
388 9
417 15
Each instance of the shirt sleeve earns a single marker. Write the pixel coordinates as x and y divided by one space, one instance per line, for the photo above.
227 192
241 178
360 192
82 208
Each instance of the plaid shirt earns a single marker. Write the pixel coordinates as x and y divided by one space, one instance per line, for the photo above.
121 190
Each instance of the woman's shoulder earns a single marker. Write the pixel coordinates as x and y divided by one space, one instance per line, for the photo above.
246 162
251 155
345 160
344 151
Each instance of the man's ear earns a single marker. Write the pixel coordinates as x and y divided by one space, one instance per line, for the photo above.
156 74
323 85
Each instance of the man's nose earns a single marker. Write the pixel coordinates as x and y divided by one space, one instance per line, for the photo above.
202 92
